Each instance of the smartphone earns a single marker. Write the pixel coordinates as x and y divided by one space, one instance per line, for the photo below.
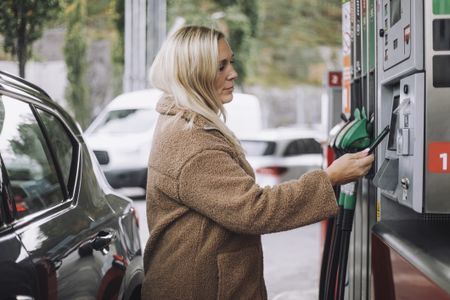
378 139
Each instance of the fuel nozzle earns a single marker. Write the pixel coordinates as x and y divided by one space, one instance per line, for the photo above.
356 137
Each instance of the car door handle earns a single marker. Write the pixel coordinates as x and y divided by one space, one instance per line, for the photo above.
102 240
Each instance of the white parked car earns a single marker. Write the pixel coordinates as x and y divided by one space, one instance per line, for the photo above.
244 114
279 155
121 137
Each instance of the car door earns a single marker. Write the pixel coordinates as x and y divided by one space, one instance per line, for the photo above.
17 275
67 238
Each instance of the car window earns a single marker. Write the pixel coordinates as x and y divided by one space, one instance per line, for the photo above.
303 146
62 143
127 121
27 160
2 204
258 148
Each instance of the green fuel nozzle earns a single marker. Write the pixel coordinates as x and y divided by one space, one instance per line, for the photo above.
355 136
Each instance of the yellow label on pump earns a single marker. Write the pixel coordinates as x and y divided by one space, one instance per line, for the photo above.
378 210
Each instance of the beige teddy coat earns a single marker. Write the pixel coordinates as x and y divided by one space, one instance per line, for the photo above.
206 213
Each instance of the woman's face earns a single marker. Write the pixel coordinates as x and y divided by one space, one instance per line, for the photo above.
224 81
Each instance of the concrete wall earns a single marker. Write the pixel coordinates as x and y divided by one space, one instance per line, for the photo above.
47 69
297 106
49 75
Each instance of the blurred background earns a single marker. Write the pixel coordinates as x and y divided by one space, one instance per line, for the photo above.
85 53
80 53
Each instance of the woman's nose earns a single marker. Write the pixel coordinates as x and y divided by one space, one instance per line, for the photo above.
233 74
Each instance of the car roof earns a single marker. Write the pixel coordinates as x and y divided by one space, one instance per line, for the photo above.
284 134
136 99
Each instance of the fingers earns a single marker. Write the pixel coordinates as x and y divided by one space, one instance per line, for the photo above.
367 168
361 154
351 166
367 163
368 159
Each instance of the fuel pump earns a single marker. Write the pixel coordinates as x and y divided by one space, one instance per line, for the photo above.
405 80
414 88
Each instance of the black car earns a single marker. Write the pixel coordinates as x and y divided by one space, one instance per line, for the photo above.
63 233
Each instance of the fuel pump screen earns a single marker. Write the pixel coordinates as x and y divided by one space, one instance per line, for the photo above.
395 12
392 142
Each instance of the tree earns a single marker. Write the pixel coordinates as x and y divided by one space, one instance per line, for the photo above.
22 22
118 57
290 36
75 56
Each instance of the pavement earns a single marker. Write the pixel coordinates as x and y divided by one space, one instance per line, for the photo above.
291 260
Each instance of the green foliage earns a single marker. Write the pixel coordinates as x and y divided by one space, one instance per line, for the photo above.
75 57
118 52
119 21
22 22
275 42
239 37
290 34
100 19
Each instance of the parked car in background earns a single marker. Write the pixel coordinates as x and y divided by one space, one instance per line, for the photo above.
121 135
244 114
121 138
63 233
279 155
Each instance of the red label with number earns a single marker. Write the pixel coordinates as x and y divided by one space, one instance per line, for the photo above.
335 79
439 157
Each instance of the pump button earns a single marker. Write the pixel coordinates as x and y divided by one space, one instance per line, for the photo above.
403 141
406 89
405 183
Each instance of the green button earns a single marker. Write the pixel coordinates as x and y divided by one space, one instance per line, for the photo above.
441 7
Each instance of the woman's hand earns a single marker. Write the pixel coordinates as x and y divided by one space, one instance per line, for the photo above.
349 167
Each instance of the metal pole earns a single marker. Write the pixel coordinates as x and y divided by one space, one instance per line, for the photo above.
156 29
145 30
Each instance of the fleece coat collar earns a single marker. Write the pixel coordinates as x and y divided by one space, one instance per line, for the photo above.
167 106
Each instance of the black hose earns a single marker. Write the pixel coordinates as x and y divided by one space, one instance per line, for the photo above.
326 257
347 223
333 263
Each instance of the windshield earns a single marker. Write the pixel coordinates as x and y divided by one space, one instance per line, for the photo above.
258 148
127 121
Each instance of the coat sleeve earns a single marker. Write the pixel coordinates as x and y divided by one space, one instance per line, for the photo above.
215 185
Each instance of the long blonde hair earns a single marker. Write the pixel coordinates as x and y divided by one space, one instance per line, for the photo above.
185 69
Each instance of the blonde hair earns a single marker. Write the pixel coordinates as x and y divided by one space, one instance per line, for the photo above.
185 69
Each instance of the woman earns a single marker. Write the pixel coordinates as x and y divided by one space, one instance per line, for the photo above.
205 211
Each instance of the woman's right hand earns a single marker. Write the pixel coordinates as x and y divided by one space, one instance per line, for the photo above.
349 167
